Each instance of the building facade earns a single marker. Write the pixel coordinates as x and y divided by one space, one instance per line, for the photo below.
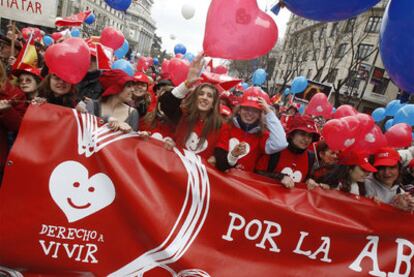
343 55
136 24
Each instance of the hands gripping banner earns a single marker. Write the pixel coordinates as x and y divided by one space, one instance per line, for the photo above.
79 199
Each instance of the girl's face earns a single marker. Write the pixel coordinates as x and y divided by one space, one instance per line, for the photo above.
329 157
58 86
302 140
249 115
126 94
27 83
357 174
140 89
205 99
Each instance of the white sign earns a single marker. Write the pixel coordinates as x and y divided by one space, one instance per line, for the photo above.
36 12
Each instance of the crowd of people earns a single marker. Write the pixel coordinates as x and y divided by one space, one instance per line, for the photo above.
238 129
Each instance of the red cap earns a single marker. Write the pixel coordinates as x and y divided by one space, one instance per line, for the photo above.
354 158
387 156
113 81
251 96
142 78
25 68
304 123
224 110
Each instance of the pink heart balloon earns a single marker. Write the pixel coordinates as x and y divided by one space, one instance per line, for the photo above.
178 70
69 60
399 135
238 30
319 106
112 38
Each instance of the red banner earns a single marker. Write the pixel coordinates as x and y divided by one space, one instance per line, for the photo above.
78 198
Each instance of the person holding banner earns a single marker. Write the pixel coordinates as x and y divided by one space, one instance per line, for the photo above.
248 138
294 164
59 92
195 112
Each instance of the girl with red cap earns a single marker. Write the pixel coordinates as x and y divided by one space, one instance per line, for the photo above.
349 176
29 79
294 164
248 138
112 106
195 112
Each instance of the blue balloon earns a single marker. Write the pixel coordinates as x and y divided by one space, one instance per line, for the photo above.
299 84
121 51
47 40
333 110
125 66
120 5
302 109
392 107
75 32
90 19
189 56
259 77
389 123
405 115
245 85
180 49
329 10
397 43
287 91
378 114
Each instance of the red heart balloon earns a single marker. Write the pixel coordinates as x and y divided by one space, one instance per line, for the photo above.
112 37
69 60
165 74
345 110
319 106
221 69
178 70
341 133
399 135
370 142
238 30
142 64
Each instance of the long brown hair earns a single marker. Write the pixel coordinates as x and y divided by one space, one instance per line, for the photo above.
69 100
191 114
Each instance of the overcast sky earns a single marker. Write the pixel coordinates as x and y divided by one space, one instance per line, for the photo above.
167 14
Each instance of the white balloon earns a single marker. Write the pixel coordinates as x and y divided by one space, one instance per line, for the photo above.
187 11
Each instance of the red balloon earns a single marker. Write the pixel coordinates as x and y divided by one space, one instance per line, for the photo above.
399 135
345 110
69 60
221 69
370 142
56 36
142 64
112 38
341 133
238 30
165 73
319 106
178 69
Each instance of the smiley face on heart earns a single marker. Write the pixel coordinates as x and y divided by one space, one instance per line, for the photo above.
233 142
295 175
77 194
192 144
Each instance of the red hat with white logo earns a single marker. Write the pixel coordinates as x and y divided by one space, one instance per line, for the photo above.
354 158
303 123
224 110
251 97
387 156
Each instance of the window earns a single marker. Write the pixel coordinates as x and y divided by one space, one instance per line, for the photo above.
309 74
364 51
334 29
353 80
332 75
381 87
327 53
373 25
350 24
340 52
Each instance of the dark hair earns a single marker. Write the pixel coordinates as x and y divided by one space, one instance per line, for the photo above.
340 174
321 146
191 114
68 100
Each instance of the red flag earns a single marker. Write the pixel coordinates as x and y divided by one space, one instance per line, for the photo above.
109 203
104 56
75 20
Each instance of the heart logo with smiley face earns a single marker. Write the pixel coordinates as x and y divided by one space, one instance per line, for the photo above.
77 194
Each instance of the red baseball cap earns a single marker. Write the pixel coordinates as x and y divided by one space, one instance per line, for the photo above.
387 156
251 96
354 158
224 110
304 123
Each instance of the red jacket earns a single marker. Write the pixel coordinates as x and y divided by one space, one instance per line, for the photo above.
10 119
